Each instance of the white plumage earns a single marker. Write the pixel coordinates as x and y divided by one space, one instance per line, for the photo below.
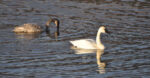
84 43
90 43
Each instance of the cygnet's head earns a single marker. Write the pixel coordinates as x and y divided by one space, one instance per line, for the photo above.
103 29
55 21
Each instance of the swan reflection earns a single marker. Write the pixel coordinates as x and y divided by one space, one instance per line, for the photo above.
30 36
53 35
101 65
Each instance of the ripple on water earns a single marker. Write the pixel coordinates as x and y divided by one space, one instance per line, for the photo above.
43 56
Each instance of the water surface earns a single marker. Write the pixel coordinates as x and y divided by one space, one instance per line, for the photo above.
43 56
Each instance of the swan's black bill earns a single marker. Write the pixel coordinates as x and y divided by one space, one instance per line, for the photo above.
107 31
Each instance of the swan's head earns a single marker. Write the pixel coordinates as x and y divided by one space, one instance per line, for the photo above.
103 29
55 21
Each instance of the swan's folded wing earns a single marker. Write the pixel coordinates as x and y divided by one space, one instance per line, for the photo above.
84 43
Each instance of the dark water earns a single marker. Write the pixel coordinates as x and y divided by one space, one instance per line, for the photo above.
42 56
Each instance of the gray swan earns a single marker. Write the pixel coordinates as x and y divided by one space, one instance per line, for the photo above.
34 28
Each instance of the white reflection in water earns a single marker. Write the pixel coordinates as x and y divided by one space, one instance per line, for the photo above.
101 65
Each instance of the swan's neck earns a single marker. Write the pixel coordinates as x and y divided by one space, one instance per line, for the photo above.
57 24
98 41
47 29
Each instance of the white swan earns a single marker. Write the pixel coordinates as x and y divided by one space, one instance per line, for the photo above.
90 43
34 28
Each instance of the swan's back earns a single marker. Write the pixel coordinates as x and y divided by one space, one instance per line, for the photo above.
84 43
28 28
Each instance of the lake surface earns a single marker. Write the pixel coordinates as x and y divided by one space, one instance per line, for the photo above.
127 53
